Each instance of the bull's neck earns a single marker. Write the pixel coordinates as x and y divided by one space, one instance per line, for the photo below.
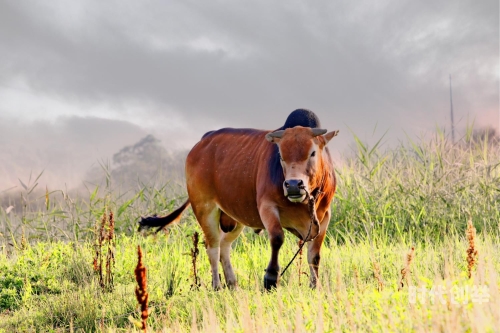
322 179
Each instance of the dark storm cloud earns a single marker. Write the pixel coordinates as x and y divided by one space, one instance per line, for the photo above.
248 64
364 59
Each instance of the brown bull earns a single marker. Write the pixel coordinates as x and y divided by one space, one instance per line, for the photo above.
237 178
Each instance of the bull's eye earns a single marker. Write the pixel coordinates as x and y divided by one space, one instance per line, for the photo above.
313 153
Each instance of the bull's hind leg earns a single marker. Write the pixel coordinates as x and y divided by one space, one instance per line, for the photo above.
225 250
208 217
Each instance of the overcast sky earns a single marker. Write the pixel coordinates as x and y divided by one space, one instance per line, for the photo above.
81 79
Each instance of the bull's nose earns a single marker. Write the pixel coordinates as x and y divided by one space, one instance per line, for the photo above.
293 186
291 183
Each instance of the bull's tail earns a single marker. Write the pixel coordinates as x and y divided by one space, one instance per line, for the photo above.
162 221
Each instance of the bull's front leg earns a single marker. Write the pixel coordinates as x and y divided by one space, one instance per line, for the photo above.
314 248
270 219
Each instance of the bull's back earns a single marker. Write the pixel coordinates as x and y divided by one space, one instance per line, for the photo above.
223 168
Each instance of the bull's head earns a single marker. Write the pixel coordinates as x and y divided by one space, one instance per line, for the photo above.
301 155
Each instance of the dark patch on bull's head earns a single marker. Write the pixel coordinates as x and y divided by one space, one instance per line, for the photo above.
301 117
301 158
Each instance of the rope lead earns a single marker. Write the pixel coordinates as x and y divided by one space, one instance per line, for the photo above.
314 220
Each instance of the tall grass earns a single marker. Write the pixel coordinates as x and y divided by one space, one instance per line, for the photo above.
418 191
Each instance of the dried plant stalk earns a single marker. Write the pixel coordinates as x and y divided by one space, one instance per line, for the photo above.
300 259
471 250
194 256
377 275
104 233
141 292
357 282
97 248
111 231
110 255
406 271
24 243
97 263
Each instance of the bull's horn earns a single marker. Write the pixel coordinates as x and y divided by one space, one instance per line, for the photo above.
277 134
318 131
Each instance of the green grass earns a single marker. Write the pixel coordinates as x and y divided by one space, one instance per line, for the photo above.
57 290
419 194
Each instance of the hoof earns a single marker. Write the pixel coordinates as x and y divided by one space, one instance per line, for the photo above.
270 283
232 285
270 280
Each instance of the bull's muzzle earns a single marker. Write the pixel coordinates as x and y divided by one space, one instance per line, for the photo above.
294 190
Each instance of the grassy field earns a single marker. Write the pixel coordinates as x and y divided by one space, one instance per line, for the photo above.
420 194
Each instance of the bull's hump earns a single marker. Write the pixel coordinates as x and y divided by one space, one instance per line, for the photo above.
302 117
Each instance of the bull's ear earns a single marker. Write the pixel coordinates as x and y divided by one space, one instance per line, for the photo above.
330 135
274 136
